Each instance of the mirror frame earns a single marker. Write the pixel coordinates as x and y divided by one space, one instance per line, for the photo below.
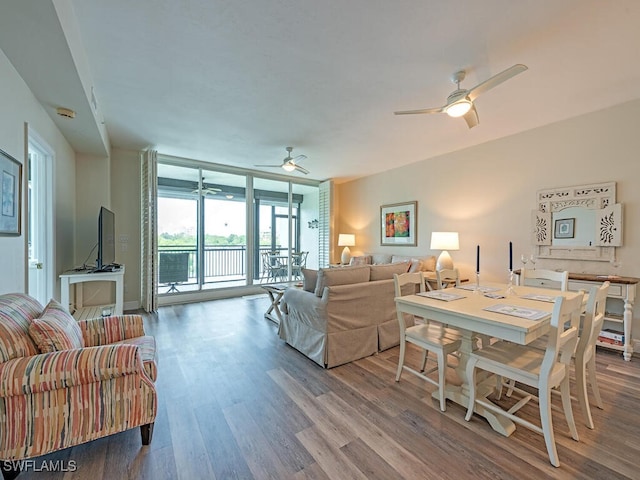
593 197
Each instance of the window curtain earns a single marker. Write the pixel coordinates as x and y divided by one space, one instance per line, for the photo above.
149 243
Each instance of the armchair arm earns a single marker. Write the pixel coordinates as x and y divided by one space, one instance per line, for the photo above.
67 368
107 330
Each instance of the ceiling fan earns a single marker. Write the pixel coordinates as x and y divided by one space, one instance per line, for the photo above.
460 102
207 190
290 163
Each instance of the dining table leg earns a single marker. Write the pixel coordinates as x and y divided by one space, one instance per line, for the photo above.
460 393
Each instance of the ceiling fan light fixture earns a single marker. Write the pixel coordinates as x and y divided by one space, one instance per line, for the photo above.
459 108
289 167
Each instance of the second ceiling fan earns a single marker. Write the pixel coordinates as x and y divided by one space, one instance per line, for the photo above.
290 163
460 101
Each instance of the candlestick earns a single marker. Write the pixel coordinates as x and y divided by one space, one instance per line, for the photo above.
511 291
476 290
510 256
478 259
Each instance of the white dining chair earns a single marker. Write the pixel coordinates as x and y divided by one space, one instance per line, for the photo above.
585 355
447 277
431 337
536 278
540 369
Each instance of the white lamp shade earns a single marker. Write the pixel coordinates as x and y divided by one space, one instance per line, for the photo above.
346 240
445 241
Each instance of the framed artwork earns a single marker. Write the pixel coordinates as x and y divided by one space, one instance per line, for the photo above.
10 193
399 224
564 228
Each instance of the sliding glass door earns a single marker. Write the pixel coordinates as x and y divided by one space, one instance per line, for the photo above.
219 229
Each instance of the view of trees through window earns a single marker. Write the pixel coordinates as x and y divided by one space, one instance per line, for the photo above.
204 234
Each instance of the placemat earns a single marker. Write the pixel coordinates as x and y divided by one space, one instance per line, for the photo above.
521 312
481 288
441 295
540 298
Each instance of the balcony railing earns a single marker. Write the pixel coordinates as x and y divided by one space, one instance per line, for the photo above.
221 263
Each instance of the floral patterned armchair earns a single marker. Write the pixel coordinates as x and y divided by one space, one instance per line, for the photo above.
63 383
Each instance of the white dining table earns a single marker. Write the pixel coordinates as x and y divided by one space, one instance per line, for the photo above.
470 317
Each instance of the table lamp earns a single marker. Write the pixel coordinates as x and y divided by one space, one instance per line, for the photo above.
346 240
444 241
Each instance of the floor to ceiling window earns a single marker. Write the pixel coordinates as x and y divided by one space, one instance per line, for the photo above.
219 229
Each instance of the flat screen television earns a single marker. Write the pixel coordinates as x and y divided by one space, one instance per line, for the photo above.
106 239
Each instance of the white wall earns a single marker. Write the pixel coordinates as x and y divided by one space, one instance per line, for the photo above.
125 201
487 192
20 106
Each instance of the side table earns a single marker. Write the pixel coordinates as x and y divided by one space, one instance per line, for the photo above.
275 294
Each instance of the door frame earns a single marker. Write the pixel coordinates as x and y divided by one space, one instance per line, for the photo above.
46 209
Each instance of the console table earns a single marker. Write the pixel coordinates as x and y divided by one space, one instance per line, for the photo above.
620 300
74 277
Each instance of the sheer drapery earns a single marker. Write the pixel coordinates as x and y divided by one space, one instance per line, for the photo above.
149 243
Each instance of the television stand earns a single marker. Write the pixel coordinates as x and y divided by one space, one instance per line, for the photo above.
74 277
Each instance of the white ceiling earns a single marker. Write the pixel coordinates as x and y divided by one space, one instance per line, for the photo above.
236 82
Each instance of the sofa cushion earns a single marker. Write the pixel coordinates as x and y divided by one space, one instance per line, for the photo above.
328 277
309 280
380 258
418 264
423 264
361 260
56 330
386 272
17 310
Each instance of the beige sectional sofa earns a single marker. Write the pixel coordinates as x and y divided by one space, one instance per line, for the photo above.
343 314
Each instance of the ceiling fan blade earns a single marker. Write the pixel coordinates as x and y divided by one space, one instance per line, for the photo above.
301 169
278 165
496 80
471 117
424 110
299 157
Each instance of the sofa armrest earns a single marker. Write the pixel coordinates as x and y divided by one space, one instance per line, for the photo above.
107 330
306 307
67 368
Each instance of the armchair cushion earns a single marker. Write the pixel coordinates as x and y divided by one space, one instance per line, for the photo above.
55 330
68 368
16 313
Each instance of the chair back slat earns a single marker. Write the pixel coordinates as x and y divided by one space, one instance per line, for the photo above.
563 332
593 318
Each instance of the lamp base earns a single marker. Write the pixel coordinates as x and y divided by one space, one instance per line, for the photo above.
346 256
445 262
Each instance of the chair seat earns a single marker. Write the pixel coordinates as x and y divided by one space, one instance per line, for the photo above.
433 335
506 357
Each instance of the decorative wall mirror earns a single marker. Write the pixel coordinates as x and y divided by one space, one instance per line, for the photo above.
583 222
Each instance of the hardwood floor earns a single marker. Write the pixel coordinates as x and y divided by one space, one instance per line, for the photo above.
237 402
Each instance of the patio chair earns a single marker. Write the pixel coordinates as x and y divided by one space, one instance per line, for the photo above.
298 262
